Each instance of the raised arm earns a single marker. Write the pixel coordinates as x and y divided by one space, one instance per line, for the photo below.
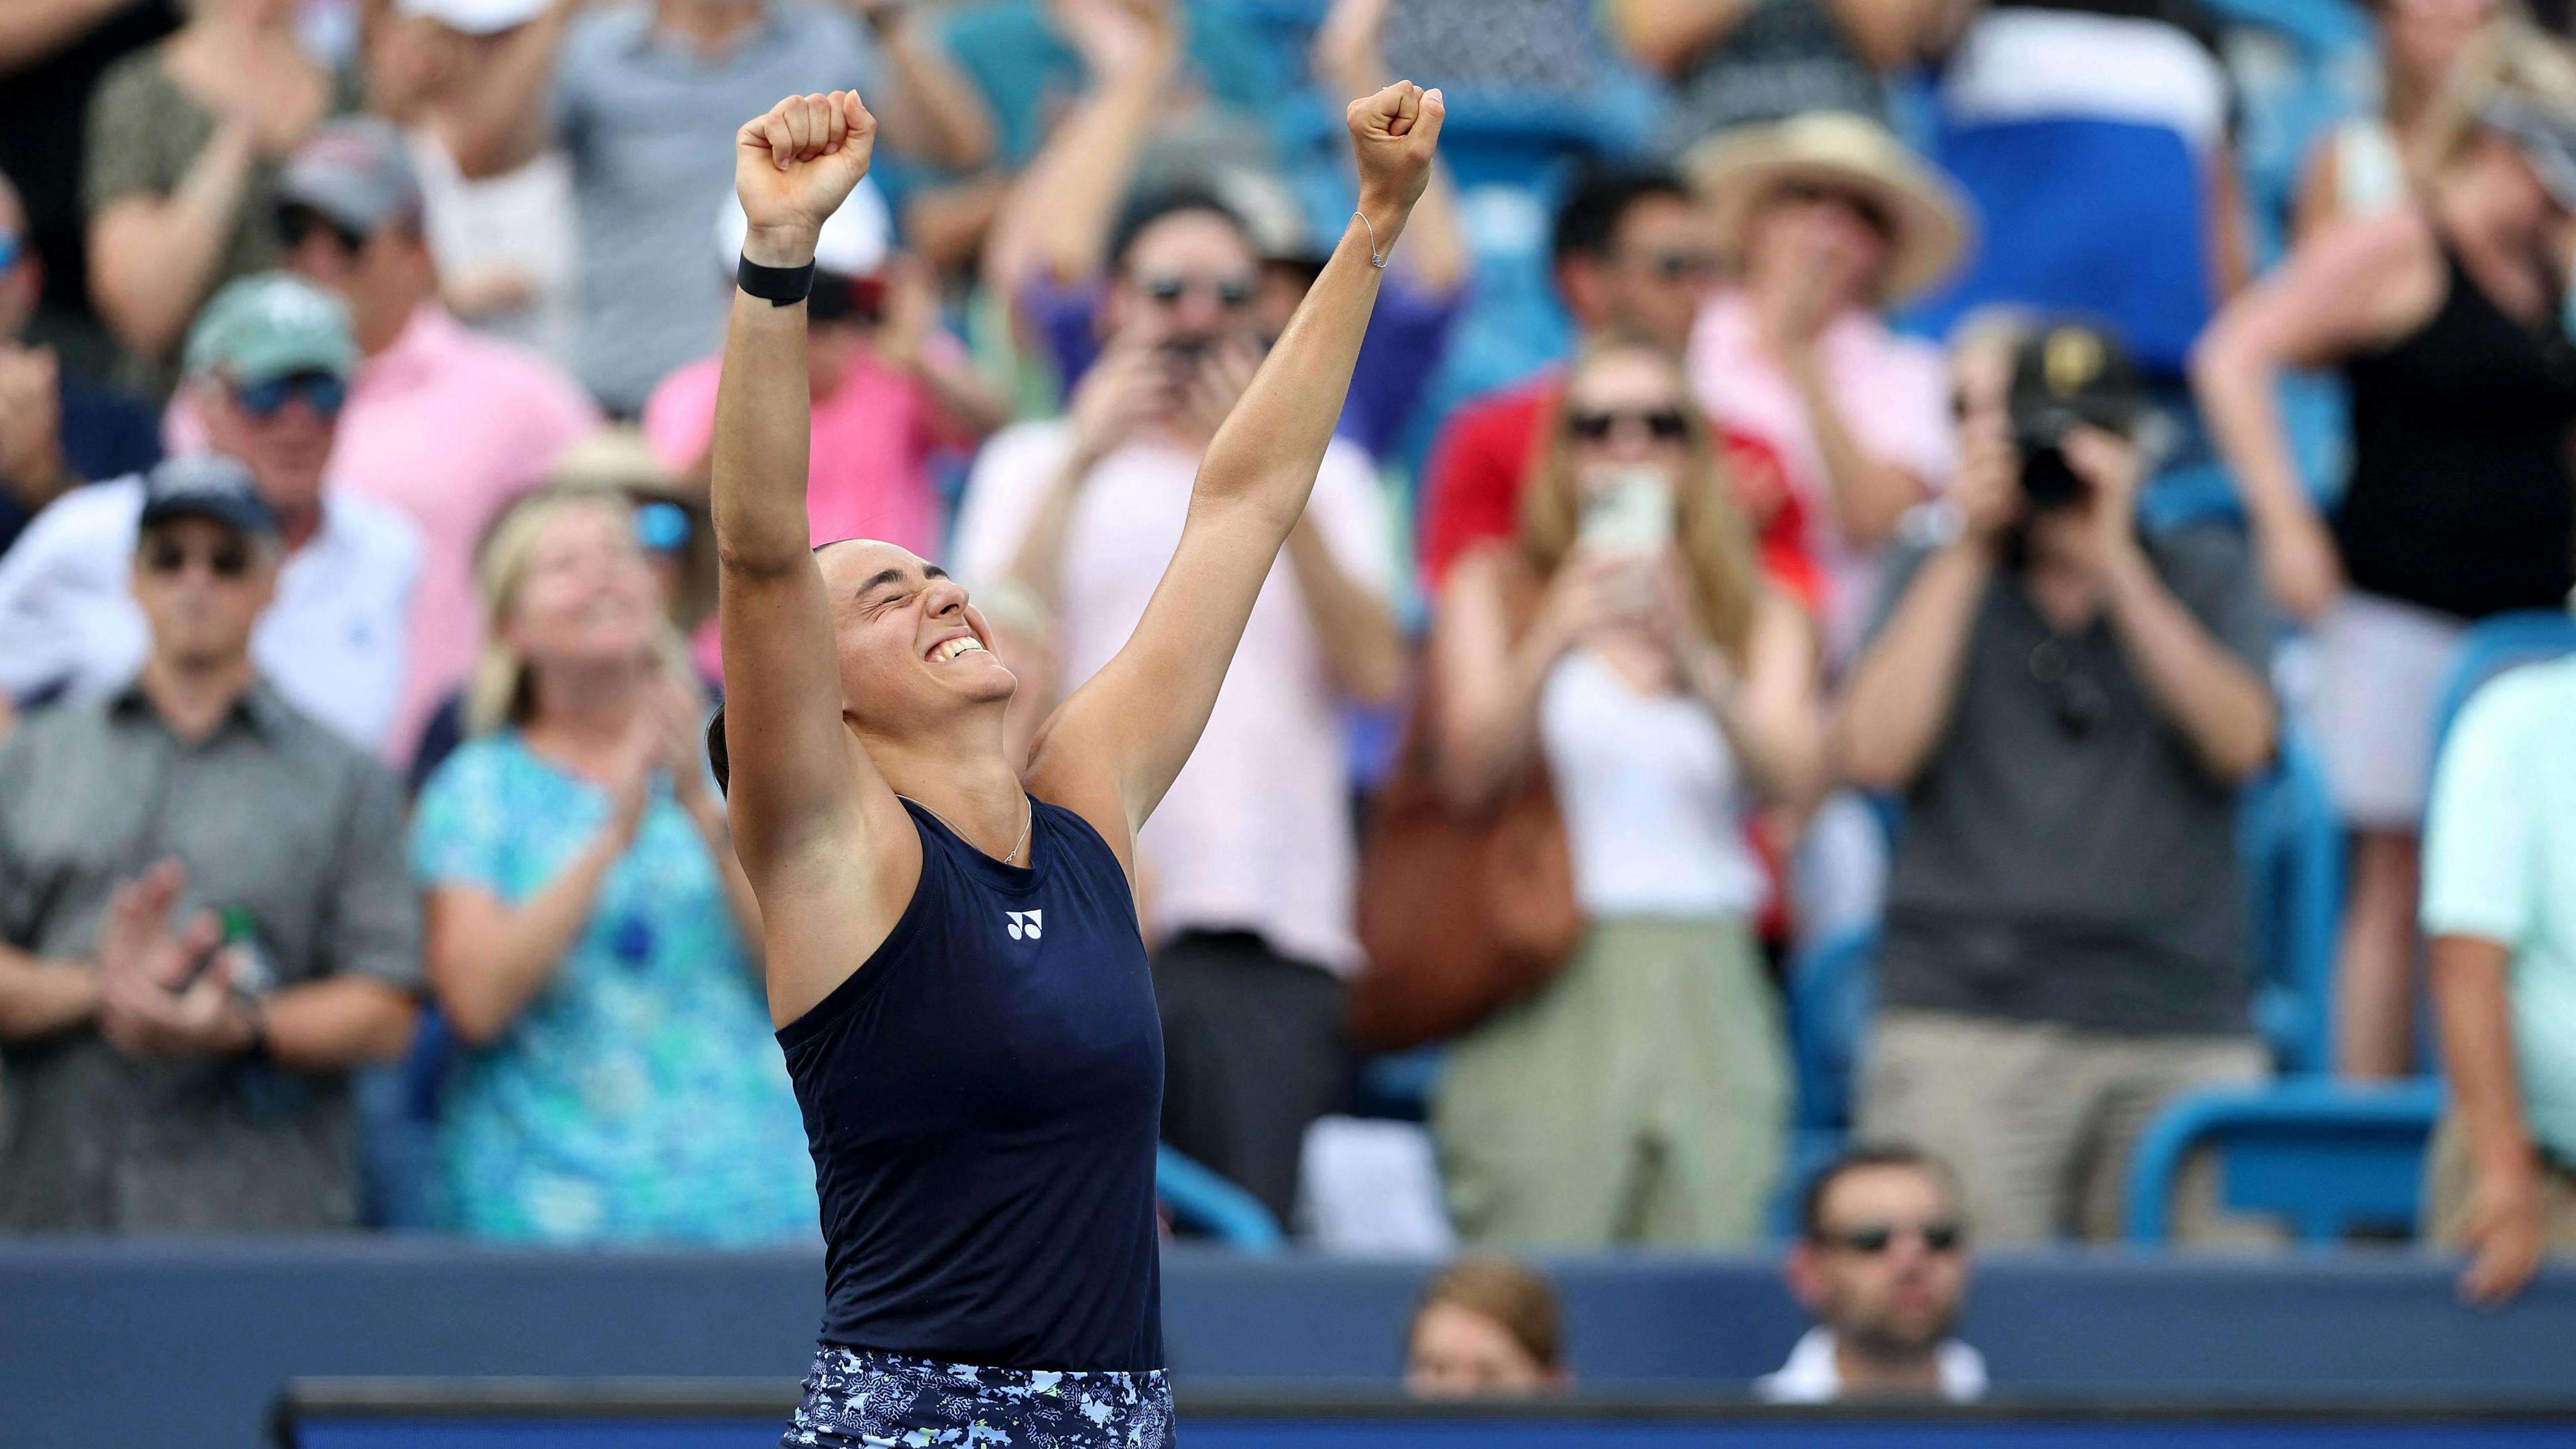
502 123
796 778
1115 746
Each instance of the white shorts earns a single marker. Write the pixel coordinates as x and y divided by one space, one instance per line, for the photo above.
2380 668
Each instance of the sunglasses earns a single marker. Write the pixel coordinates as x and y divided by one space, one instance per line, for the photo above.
1231 293
320 391
1871 1239
1665 425
169 558
662 527
295 223
1680 266
1816 192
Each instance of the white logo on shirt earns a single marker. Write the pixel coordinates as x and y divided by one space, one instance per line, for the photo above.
1023 923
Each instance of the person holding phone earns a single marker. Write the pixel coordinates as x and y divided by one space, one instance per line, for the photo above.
1626 639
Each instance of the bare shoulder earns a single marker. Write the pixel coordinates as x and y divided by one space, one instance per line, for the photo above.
1071 764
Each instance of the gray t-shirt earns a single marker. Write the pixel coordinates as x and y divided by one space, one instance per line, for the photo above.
274 816
2087 879
649 124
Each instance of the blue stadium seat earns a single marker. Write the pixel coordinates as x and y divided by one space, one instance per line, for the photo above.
1398 1085
2328 1157
2493 646
2290 846
1830 995
1201 1199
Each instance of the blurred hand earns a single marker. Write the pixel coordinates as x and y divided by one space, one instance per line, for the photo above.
1987 488
2110 467
680 707
1216 384
911 313
1113 36
630 774
1674 617
1350 29
2503 1234
793 166
144 1010
2300 564
1120 391
1590 593
31 424
1394 135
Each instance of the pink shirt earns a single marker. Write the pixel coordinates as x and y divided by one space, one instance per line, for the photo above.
867 475
1256 833
1894 393
448 425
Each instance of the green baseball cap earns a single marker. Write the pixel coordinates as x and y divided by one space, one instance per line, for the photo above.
271 325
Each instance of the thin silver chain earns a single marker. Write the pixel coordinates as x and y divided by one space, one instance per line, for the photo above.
1028 818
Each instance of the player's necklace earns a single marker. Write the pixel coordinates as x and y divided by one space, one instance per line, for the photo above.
1028 818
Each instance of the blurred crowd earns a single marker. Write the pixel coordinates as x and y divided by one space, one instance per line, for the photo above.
1819 471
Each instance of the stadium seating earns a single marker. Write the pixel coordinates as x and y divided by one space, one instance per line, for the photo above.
2329 1158
2291 846
1204 1201
2493 646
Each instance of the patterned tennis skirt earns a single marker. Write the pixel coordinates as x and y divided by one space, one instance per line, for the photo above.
862 1399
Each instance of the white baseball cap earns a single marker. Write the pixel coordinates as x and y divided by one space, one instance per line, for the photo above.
854 242
475 17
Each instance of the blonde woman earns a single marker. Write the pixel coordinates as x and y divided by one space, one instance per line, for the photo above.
2362 164
2445 318
590 936
1642 1094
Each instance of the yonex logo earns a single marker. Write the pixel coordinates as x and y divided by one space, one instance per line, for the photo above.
1028 924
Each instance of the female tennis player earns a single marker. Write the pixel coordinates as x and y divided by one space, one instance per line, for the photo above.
953 956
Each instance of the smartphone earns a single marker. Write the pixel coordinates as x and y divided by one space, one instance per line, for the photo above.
1632 512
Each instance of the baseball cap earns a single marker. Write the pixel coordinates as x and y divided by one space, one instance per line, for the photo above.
356 172
854 242
206 485
2073 373
476 17
270 325
1274 220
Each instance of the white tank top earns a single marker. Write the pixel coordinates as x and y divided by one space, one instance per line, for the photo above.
1654 809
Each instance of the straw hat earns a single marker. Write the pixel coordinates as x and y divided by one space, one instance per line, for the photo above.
1735 170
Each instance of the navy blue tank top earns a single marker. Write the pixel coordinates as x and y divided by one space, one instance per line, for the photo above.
982 1099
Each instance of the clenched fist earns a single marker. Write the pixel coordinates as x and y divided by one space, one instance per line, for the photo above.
793 166
1393 135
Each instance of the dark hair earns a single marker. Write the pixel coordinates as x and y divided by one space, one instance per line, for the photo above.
1150 207
717 758
1598 202
1510 1293
1861 1158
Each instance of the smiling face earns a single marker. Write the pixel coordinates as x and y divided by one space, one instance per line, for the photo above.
587 595
915 655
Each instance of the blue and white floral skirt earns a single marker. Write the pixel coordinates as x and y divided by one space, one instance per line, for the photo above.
862 1399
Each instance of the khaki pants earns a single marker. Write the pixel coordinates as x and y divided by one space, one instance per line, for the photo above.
2040 1121
2447 1180
1642 1096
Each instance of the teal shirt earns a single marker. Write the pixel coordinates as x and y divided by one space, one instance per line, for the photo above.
640 1096
2500 865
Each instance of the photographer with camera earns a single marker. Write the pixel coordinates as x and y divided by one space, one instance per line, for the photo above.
2068 707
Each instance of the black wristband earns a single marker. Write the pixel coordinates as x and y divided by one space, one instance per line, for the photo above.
778 286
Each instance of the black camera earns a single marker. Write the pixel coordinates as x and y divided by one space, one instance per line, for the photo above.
2063 378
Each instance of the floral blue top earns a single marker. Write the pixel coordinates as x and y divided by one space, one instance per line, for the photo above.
641 1094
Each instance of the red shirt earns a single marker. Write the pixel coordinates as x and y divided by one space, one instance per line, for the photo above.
1472 487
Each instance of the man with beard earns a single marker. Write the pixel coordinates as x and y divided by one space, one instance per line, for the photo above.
1882 1262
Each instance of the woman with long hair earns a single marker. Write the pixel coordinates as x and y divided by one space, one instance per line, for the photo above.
2366 162
954 962
2445 317
1627 642
591 941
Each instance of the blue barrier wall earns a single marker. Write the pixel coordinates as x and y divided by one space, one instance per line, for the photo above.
105 1343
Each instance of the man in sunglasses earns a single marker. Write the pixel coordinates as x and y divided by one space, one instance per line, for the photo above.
268 363
2069 707
1881 1260
56 430
205 919
443 422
